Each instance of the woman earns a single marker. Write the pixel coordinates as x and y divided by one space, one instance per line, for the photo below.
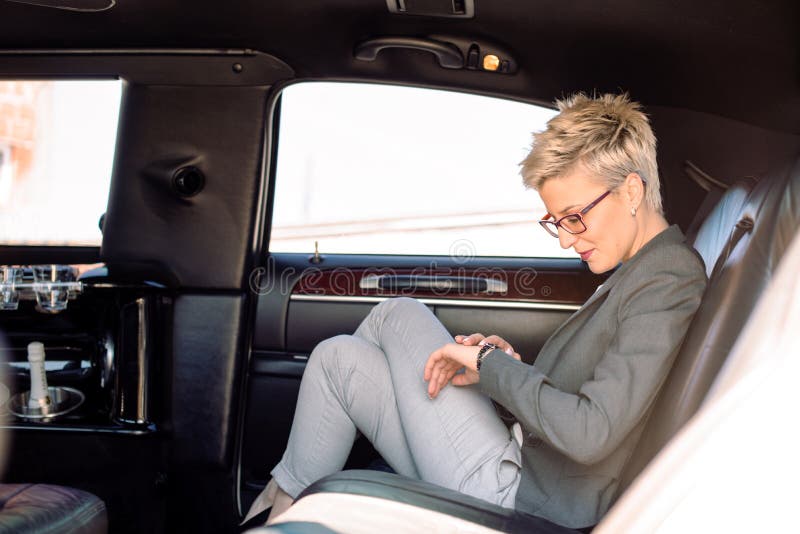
580 407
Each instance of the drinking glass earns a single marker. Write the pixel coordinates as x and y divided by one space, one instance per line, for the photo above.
51 285
10 279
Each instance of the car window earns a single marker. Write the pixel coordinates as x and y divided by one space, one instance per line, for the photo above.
56 151
377 169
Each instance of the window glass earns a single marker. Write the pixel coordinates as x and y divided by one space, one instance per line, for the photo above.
375 169
56 151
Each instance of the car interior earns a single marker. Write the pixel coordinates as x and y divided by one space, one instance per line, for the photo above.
222 186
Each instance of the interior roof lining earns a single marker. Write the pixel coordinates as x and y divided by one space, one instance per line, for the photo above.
734 58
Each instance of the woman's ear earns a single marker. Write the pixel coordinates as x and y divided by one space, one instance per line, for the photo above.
634 189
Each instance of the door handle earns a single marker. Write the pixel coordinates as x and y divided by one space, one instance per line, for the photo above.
462 284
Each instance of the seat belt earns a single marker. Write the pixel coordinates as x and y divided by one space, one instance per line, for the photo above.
742 227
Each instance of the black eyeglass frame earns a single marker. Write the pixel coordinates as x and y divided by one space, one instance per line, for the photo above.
551 227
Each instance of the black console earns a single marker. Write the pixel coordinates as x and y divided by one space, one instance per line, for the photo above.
102 355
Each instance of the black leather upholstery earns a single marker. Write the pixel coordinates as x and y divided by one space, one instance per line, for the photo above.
42 508
767 221
432 497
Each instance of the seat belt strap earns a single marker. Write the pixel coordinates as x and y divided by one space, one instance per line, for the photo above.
742 227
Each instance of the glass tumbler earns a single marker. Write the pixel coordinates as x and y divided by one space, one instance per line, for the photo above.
51 285
10 279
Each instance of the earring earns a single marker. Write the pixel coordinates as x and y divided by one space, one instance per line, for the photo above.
633 212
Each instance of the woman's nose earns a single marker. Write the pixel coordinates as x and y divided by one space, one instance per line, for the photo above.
566 239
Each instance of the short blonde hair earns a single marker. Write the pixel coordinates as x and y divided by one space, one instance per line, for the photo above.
608 134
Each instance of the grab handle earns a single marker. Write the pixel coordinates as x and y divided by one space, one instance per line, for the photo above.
448 55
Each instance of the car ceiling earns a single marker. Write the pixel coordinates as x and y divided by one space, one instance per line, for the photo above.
735 58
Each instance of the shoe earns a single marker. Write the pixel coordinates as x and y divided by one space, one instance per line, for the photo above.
264 501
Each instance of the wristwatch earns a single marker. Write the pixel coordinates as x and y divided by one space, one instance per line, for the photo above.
485 349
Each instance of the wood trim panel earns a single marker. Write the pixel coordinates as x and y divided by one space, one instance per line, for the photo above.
525 284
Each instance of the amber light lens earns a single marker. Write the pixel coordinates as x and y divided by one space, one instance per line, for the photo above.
491 62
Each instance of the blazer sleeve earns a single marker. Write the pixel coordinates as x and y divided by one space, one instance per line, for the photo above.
587 426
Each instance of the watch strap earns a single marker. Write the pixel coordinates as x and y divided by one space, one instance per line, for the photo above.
485 349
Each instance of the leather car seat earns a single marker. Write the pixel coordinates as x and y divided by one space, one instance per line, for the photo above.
763 228
36 508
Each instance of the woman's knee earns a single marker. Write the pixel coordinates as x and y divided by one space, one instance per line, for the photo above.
400 307
335 352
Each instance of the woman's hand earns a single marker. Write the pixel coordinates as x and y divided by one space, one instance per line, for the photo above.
444 363
479 339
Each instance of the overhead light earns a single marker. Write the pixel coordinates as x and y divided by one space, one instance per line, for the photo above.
491 62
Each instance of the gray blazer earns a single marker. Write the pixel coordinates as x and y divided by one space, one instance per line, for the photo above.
584 401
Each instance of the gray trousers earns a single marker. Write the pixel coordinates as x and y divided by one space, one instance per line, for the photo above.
372 382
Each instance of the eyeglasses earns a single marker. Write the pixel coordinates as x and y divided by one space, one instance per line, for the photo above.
573 222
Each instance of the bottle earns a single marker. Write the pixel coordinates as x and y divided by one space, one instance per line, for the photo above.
39 397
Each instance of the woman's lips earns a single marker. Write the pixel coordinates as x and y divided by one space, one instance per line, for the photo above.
585 255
